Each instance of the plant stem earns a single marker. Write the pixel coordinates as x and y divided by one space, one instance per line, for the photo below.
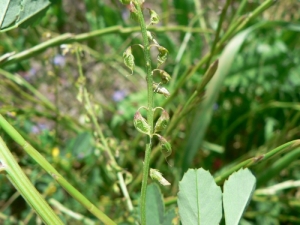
222 17
70 38
24 186
105 147
150 110
52 171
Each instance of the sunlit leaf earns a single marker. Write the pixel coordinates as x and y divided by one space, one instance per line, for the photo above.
199 198
238 190
23 13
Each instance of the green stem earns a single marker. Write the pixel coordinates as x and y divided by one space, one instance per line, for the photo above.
105 147
222 17
24 186
70 38
240 24
49 168
150 110
252 161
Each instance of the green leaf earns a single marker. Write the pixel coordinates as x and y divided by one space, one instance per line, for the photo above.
14 13
154 204
31 11
199 198
9 12
238 190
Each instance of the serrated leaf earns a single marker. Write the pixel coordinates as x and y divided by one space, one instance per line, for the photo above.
199 198
22 12
238 190
154 205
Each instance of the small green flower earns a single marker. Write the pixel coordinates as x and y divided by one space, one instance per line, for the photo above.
166 148
129 59
160 90
141 124
154 19
162 55
156 175
162 122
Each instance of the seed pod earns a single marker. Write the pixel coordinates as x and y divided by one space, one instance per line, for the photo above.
162 55
162 122
164 76
165 146
154 19
141 124
129 59
156 175
160 90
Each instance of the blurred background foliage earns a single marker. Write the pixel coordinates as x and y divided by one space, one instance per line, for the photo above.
257 109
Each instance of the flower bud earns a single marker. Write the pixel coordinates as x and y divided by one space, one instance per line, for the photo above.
141 124
129 59
156 175
162 55
162 122
164 76
160 90
154 19
165 146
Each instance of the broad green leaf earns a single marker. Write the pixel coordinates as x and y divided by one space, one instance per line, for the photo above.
15 13
199 198
32 11
238 190
9 12
154 205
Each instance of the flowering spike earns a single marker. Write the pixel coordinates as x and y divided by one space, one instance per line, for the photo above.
162 55
141 124
156 175
129 59
160 90
162 122
166 148
154 19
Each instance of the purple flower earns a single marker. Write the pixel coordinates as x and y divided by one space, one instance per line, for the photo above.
119 95
59 60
